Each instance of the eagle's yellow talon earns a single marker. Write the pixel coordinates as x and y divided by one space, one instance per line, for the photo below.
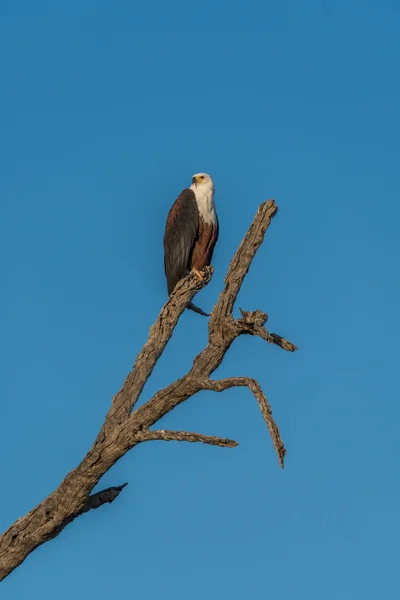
198 274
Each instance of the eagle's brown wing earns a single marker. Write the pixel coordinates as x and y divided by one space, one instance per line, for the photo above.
179 238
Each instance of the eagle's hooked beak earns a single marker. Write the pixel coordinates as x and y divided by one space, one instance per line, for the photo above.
194 180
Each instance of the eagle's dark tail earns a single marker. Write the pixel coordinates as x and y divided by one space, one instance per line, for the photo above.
197 310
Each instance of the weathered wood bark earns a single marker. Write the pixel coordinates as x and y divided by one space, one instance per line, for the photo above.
124 429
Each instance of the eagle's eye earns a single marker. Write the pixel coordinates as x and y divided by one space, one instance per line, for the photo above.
201 176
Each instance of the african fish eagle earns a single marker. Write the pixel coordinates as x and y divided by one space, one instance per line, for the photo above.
191 231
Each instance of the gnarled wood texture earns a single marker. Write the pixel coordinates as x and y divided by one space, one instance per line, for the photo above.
124 429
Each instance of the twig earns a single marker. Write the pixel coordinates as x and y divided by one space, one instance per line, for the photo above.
184 436
253 324
253 385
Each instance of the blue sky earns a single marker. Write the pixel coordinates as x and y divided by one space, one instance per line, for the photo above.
106 111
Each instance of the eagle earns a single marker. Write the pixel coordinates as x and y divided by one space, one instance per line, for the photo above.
191 232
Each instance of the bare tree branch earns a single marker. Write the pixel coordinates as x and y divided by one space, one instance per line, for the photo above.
253 385
122 429
159 336
253 324
184 436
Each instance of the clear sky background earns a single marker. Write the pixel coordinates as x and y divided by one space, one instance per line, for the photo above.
107 109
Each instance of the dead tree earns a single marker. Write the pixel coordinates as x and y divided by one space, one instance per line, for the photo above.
125 428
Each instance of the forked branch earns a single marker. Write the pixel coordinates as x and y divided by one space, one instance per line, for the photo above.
253 324
124 429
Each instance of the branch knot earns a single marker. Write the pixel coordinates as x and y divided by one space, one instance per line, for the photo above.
256 317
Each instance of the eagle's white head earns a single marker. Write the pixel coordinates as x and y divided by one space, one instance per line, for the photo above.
202 183
203 188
